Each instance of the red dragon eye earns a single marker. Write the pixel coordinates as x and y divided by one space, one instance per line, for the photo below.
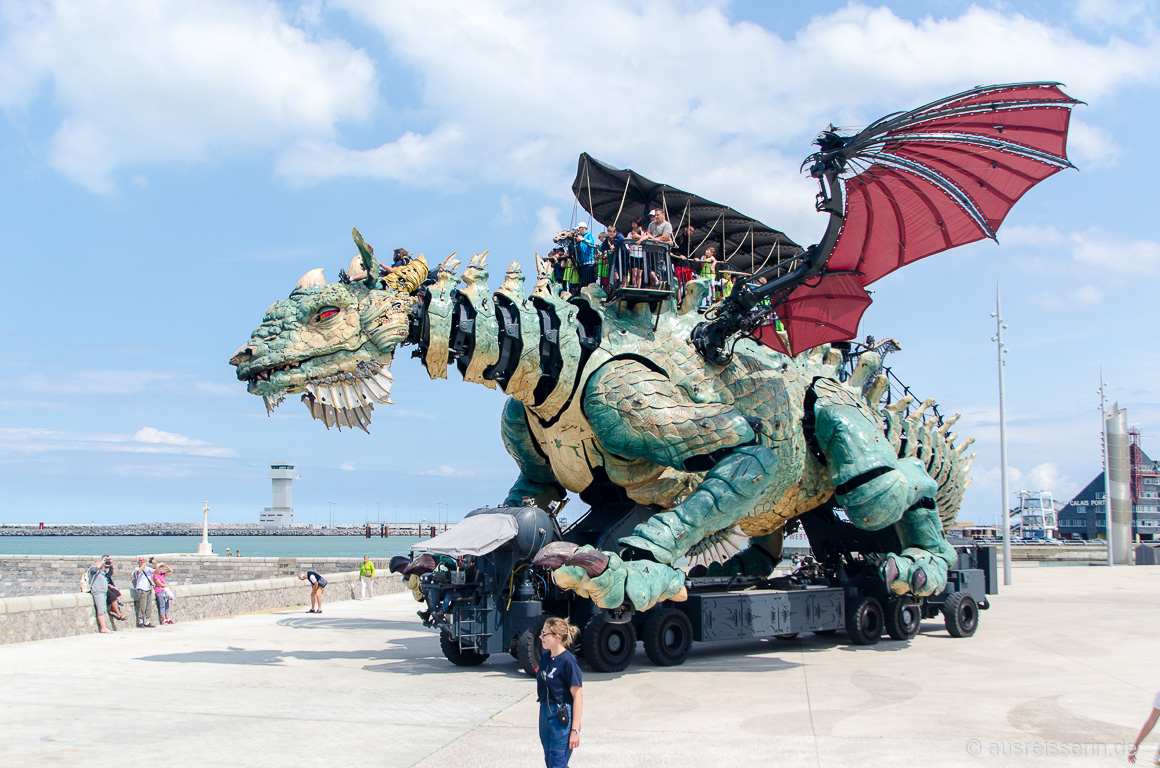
327 312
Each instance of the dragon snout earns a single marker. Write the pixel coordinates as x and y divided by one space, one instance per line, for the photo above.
244 354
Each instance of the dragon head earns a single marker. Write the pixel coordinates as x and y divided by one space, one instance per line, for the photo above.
333 343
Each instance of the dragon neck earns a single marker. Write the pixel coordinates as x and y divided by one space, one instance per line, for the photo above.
532 347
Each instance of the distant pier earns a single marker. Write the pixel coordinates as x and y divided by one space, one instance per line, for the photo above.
371 530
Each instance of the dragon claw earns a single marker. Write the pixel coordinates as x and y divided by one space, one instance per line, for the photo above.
890 571
555 554
915 572
610 582
918 580
593 561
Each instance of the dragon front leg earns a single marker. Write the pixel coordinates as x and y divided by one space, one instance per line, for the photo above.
877 489
637 412
536 482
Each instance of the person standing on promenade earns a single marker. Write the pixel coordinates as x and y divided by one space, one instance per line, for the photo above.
142 589
366 577
114 599
559 689
162 592
1145 729
317 584
99 589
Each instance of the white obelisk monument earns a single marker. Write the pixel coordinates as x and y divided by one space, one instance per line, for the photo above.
205 548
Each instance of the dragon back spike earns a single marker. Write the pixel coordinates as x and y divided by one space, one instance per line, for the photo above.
370 263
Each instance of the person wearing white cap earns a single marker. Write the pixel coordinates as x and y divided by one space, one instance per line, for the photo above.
585 253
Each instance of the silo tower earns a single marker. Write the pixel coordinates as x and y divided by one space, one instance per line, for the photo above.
280 513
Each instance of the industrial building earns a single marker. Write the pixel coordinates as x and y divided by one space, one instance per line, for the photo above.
1084 516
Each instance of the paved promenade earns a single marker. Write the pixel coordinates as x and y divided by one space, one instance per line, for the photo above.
1062 672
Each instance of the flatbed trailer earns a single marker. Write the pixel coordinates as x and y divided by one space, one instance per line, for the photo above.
497 601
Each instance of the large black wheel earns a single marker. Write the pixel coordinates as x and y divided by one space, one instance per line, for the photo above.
457 655
864 621
903 618
529 649
668 636
608 646
961 614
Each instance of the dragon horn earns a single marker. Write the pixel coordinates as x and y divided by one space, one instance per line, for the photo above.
483 258
312 279
449 258
370 263
515 267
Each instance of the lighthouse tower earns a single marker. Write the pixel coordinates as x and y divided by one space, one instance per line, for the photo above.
280 513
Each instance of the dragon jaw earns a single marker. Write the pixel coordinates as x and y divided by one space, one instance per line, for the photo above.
331 344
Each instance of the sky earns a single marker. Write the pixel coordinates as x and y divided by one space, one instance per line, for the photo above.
170 169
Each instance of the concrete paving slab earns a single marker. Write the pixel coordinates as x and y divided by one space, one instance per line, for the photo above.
1061 672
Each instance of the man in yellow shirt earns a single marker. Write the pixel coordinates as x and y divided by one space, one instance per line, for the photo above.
366 576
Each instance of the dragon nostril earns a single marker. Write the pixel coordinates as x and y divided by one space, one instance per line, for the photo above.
241 356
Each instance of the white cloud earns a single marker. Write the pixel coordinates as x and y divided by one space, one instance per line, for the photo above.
1110 254
1090 147
145 440
348 466
704 105
151 435
1042 477
445 471
141 82
547 224
1087 296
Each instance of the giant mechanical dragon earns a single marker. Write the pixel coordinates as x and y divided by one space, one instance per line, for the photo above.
717 428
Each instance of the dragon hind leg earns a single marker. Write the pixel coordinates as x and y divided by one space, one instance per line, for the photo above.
878 489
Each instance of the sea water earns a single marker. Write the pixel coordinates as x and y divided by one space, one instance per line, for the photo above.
250 546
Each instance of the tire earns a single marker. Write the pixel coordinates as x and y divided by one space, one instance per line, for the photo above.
864 621
608 647
961 614
529 649
903 618
667 636
457 655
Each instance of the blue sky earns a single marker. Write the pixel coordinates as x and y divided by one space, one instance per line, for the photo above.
170 169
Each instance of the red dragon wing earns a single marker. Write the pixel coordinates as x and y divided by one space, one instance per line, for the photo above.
946 174
942 175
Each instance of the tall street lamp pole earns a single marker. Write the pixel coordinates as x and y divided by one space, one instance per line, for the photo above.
1003 511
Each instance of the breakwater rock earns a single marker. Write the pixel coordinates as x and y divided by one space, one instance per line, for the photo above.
217 529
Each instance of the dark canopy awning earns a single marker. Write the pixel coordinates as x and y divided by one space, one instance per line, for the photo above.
615 197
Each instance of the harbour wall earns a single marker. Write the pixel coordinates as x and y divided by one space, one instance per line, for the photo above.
44 615
29 575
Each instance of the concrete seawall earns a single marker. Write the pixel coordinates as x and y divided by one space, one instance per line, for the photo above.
27 575
45 615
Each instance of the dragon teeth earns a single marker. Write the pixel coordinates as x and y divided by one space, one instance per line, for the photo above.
353 400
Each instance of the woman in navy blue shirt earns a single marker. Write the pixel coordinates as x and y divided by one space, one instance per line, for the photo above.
558 686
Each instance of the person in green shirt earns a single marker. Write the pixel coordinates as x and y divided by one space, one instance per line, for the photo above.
366 575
